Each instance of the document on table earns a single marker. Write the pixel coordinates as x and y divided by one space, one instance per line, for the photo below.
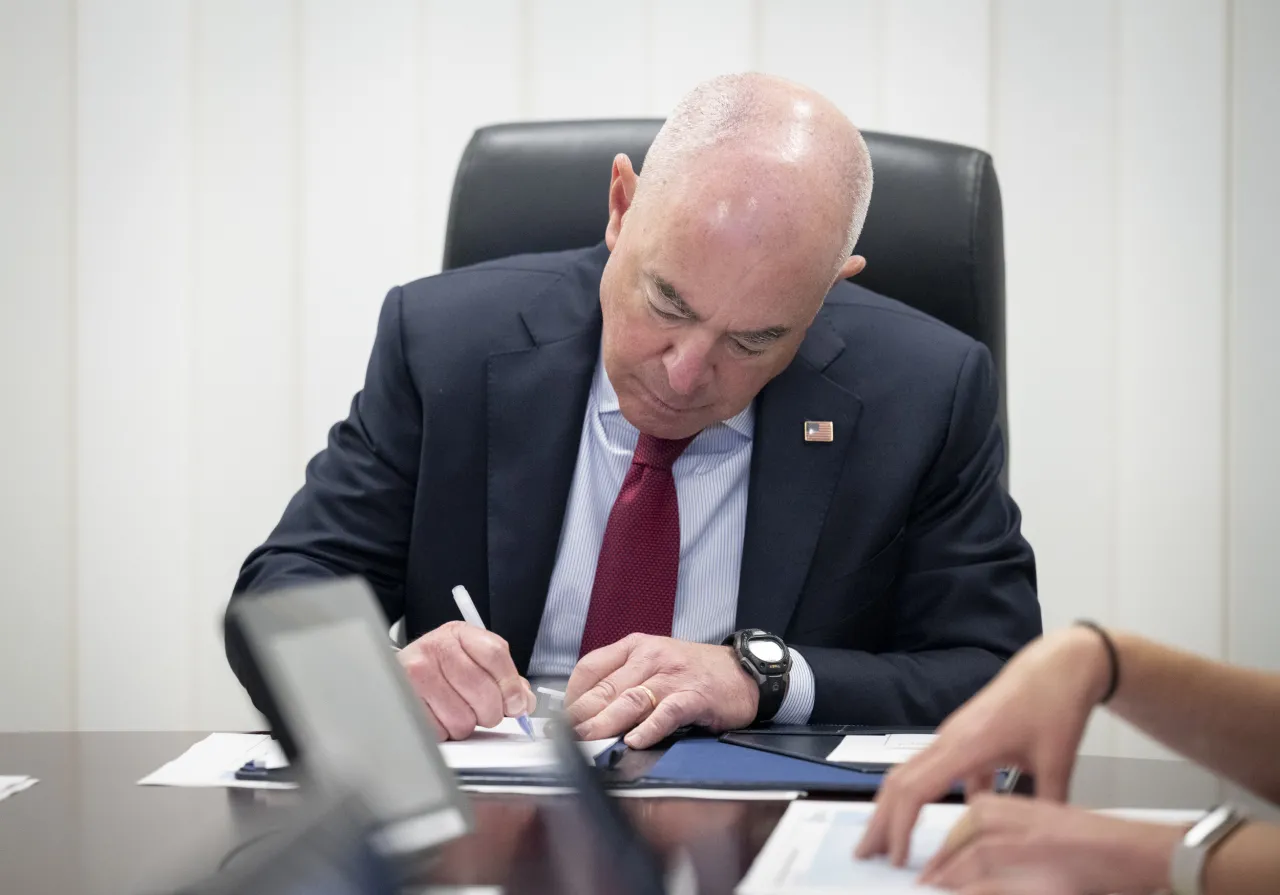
646 792
11 785
811 852
507 748
892 748
214 760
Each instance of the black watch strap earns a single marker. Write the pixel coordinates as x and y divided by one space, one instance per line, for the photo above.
772 678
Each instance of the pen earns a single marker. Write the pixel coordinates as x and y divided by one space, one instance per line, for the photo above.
610 757
472 617
257 770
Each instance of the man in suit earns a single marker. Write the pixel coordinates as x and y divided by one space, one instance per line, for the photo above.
693 468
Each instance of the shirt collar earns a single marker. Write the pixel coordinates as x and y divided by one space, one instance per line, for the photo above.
744 422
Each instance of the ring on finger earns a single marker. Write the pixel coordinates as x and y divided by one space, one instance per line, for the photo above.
653 700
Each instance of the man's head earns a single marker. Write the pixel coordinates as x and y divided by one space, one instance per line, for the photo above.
752 197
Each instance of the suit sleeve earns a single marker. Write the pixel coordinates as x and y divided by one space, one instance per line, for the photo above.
353 514
965 597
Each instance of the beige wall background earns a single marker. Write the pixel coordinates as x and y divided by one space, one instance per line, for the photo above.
203 202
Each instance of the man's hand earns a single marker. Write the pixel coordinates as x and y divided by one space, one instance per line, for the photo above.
465 678
1032 715
1016 844
653 685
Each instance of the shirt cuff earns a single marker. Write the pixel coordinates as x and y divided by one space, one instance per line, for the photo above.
797 705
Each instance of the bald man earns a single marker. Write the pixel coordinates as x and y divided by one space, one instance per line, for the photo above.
692 470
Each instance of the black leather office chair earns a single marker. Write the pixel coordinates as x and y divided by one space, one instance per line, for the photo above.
934 237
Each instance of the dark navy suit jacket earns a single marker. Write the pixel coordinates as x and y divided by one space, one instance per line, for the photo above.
892 555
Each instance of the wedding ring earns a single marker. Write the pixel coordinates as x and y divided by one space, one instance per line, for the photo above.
653 700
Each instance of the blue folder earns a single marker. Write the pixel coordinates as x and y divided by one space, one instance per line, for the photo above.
707 763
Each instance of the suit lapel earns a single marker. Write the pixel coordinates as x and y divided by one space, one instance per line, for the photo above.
792 480
537 397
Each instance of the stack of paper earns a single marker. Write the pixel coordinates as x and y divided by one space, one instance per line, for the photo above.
810 852
214 760
508 748
11 785
892 748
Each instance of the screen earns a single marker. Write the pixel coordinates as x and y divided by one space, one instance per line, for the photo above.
347 710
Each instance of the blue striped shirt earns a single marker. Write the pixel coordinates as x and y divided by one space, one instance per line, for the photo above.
711 486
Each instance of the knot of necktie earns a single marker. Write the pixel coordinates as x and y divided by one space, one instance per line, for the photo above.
659 453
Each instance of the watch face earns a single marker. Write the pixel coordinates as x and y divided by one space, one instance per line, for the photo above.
766 650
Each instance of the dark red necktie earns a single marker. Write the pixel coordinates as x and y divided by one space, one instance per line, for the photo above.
635 586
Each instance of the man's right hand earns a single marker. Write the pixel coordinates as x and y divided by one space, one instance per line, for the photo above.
466 679
1032 715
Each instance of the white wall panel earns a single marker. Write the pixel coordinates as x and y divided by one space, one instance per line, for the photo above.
245 439
1171 251
835 48
37 644
133 154
691 42
936 77
461 92
205 201
1253 612
361 183
1055 151
587 60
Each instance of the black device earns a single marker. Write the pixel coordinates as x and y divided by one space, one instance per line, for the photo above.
766 659
344 711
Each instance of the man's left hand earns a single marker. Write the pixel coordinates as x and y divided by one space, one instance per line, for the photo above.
652 686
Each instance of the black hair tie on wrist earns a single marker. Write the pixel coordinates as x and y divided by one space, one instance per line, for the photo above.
1113 656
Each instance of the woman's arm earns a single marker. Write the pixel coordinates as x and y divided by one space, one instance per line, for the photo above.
1223 717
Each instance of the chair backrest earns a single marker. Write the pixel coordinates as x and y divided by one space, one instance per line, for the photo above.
934 237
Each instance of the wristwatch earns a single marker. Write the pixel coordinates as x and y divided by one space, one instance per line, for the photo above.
767 661
1186 870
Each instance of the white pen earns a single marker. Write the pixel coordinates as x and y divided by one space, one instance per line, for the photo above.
472 617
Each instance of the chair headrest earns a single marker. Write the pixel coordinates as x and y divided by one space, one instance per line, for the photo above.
934 236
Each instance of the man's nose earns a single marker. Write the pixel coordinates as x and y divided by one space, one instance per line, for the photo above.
688 365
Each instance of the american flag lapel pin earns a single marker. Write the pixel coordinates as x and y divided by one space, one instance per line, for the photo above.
819 430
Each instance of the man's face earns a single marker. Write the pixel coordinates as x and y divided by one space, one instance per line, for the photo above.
702 308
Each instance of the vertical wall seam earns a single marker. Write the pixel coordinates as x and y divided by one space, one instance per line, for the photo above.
993 90
73 335
525 50
297 202
756 38
191 674
1228 312
1117 220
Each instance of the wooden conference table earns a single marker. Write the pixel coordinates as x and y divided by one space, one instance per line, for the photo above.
88 828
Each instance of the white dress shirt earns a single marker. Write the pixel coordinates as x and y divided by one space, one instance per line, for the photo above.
711 486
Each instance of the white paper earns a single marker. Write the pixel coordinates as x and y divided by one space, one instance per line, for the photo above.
214 761
11 785
811 852
892 748
507 747
656 792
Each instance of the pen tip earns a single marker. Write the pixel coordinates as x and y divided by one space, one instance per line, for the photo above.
526 725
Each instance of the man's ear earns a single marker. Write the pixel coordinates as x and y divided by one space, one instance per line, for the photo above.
622 192
852 267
